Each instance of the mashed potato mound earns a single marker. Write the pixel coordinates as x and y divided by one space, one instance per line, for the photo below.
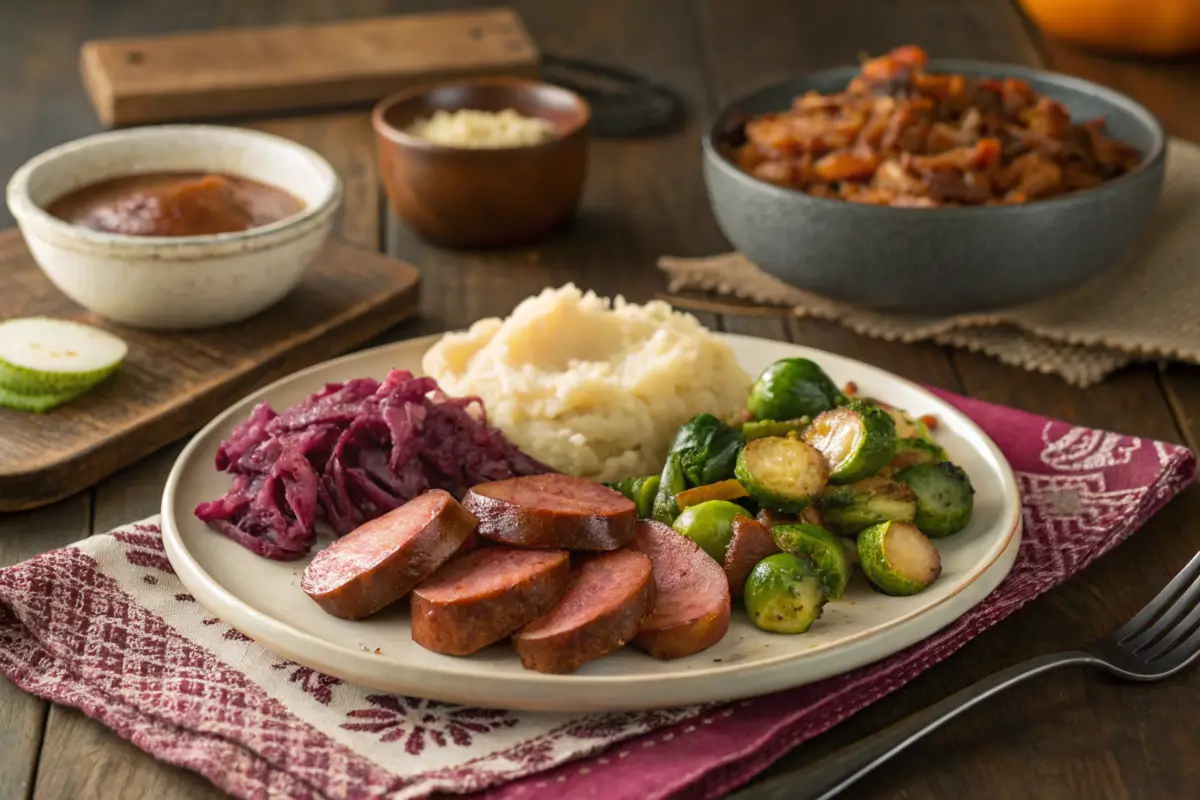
592 387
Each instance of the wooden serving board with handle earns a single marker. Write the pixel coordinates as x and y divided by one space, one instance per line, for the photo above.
237 71
173 383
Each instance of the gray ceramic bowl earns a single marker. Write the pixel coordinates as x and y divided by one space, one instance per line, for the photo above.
941 260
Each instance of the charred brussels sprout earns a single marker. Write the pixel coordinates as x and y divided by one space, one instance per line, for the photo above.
857 440
784 594
782 473
898 559
849 509
944 497
916 451
792 388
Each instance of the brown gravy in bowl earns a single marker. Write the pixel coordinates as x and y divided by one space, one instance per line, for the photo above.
175 204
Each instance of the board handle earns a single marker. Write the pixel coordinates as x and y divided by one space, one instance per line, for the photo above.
624 103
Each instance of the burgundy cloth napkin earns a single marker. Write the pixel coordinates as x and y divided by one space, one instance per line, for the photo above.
105 626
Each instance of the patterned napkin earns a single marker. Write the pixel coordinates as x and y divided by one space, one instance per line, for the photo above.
105 626
1146 307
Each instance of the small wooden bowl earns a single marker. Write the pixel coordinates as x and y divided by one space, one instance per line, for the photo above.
494 197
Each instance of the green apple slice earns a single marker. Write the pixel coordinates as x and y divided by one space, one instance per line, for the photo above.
35 403
40 356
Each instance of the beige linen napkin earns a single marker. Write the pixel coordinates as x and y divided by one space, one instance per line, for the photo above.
1146 307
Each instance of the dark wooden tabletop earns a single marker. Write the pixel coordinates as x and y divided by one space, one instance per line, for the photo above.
1069 734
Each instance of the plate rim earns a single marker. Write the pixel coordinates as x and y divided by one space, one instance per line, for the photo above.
262 627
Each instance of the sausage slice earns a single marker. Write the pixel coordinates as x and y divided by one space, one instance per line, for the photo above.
554 512
487 595
609 597
382 560
751 543
692 603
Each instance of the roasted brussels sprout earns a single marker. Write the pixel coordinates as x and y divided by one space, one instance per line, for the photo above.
782 473
857 440
944 496
707 450
710 525
704 451
848 509
784 594
641 491
827 552
898 559
915 450
792 388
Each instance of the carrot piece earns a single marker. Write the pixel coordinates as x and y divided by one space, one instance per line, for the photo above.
722 490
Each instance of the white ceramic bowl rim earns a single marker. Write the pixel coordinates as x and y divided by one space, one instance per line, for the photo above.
23 207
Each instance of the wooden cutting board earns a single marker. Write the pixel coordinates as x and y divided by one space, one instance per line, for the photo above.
239 71
172 384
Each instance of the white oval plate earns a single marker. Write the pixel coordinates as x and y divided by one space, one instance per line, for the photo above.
262 598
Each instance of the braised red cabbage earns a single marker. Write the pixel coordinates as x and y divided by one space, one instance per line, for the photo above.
350 453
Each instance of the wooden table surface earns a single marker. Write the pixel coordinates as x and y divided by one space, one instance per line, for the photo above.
1068 734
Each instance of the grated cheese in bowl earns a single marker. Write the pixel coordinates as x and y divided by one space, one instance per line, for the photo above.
482 129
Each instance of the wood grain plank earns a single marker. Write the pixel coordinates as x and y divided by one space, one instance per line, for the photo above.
83 760
32 56
1063 736
22 716
278 68
1181 383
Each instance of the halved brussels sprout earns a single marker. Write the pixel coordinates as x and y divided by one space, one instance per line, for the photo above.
898 559
945 497
848 509
857 440
782 473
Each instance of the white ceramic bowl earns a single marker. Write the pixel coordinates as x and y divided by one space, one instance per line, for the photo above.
183 282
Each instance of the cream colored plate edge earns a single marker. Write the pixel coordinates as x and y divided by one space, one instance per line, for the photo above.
262 599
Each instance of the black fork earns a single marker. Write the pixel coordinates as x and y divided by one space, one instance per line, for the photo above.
1162 639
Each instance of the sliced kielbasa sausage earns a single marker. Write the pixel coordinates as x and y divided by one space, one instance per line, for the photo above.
751 543
554 512
382 560
611 594
487 595
692 604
